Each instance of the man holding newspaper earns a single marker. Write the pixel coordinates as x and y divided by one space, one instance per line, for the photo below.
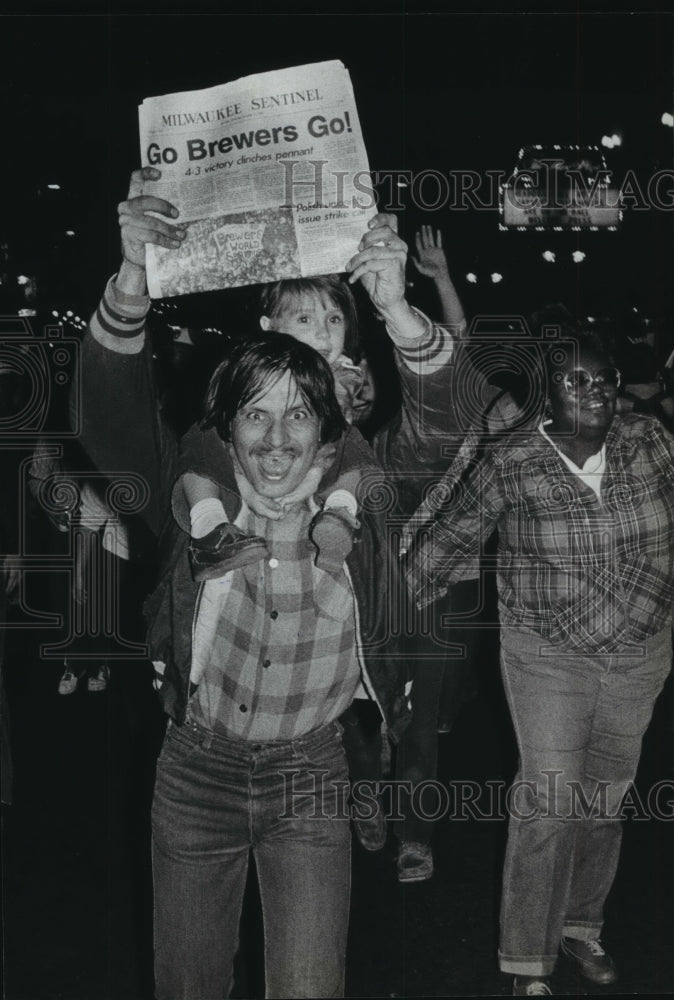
257 765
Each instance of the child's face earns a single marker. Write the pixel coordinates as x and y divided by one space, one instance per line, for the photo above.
314 321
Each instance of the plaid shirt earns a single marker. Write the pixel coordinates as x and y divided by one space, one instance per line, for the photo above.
119 405
593 574
274 650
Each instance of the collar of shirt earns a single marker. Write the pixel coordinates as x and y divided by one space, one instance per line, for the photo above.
593 469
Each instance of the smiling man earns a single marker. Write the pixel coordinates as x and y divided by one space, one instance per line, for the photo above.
273 666
276 432
256 666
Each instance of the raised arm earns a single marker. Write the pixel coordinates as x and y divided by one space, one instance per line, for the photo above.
431 261
380 267
413 441
138 227
121 426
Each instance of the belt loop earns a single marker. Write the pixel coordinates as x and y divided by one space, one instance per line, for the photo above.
207 741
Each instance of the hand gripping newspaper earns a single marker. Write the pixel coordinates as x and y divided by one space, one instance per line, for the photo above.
270 175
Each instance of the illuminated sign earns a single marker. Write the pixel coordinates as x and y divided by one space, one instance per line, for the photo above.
560 187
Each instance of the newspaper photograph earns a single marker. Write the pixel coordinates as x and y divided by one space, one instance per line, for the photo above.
270 175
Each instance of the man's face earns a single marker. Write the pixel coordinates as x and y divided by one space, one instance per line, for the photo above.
275 438
318 322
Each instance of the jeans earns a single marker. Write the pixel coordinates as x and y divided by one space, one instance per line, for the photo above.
579 722
444 677
216 800
361 736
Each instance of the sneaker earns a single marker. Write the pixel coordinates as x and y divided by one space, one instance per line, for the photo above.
415 861
98 682
332 533
371 833
223 549
531 986
590 959
69 681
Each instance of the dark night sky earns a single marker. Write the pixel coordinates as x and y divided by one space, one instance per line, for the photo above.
436 91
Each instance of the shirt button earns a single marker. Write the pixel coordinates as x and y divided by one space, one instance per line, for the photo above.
274 615
243 708
273 563
266 663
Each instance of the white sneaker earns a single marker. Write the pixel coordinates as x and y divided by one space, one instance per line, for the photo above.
98 682
531 986
69 681
415 861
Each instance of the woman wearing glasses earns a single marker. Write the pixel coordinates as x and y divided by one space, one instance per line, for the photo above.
584 508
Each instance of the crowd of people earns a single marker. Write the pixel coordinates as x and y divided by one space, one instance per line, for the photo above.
308 575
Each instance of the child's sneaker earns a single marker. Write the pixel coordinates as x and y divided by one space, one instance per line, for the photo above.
332 533
223 549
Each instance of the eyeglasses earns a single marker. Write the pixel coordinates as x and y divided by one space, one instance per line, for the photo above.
580 380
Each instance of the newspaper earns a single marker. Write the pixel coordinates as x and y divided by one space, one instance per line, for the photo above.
269 173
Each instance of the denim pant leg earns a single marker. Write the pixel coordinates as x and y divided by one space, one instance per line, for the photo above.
417 752
622 714
440 673
302 847
563 721
200 850
362 739
460 681
551 702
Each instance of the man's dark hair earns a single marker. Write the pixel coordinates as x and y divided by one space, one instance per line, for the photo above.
281 295
255 365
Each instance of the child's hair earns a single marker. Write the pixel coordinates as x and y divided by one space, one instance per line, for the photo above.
281 295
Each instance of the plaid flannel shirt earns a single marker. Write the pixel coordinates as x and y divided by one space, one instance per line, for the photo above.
593 574
274 650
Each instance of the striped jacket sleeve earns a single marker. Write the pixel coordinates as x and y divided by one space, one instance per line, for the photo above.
119 321
122 429
413 441
426 354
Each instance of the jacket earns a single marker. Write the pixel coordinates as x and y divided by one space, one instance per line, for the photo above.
123 431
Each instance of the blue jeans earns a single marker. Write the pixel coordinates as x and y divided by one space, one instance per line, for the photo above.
216 800
444 678
579 722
